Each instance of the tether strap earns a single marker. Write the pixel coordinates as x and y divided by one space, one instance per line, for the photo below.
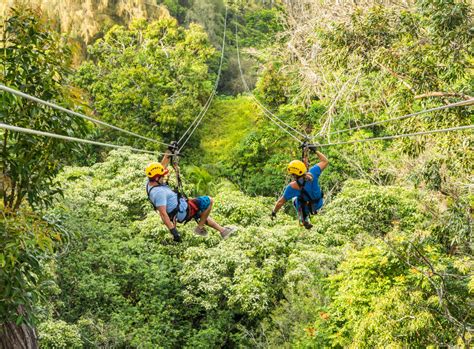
148 191
179 185
306 202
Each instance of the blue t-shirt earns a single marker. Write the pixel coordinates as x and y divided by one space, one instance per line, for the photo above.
311 187
163 196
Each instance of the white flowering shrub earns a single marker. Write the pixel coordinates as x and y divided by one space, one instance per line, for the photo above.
57 334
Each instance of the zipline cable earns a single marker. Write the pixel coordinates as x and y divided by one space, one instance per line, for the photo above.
70 112
452 105
458 128
266 112
72 139
204 110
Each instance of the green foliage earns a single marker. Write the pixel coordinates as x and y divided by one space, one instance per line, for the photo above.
376 64
177 8
362 266
403 54
261 27
27 242
272 86
385 265
200 179
150 77
209 14
59 335
34 60
231 147
131 278
229 120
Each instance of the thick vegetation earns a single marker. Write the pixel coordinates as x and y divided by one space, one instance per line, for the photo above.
150 77
86 263
376 257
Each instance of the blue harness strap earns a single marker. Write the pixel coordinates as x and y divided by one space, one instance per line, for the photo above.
306 203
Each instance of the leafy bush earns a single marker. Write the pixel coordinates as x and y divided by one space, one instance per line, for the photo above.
58 335
335 285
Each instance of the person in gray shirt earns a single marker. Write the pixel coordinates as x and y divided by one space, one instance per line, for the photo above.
175 209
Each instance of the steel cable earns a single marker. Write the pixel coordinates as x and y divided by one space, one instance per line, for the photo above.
266 112
73 139
70 112
204 110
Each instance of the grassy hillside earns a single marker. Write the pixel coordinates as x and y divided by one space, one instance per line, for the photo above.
227 123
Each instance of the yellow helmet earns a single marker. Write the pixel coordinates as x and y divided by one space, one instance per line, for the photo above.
155 169
297 167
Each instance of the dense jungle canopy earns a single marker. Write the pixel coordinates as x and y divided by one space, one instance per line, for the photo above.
85 262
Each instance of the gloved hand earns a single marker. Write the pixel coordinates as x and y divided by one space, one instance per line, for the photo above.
314 147
273 215
175 233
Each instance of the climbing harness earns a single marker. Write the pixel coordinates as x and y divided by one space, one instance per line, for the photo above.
192 208
305 200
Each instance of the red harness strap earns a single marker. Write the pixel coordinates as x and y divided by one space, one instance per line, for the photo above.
193 208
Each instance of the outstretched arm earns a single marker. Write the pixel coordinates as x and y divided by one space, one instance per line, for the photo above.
281 201
164 217
323 160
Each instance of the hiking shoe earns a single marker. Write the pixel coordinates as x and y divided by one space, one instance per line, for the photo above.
200 231
227 231
307 225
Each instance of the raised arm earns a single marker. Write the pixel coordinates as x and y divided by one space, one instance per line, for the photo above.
323 160
166 159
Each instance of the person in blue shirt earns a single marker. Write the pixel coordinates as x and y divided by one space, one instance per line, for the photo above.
304 190
165 201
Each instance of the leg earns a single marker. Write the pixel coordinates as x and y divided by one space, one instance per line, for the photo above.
205 219
213 224
303 213
299 210
205 214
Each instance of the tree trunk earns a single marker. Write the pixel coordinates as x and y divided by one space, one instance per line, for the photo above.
13 336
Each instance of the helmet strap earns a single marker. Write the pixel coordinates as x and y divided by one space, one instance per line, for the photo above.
156 178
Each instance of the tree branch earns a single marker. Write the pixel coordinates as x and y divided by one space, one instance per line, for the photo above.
398 76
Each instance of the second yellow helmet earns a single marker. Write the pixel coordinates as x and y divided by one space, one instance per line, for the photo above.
297 168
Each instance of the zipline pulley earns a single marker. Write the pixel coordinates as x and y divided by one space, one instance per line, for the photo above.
305 149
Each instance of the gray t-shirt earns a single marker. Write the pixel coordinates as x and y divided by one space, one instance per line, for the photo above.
163 195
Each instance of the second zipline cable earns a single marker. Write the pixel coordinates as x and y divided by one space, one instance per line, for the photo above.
265 110
421 133
407 116
71 139
70 112
204 110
